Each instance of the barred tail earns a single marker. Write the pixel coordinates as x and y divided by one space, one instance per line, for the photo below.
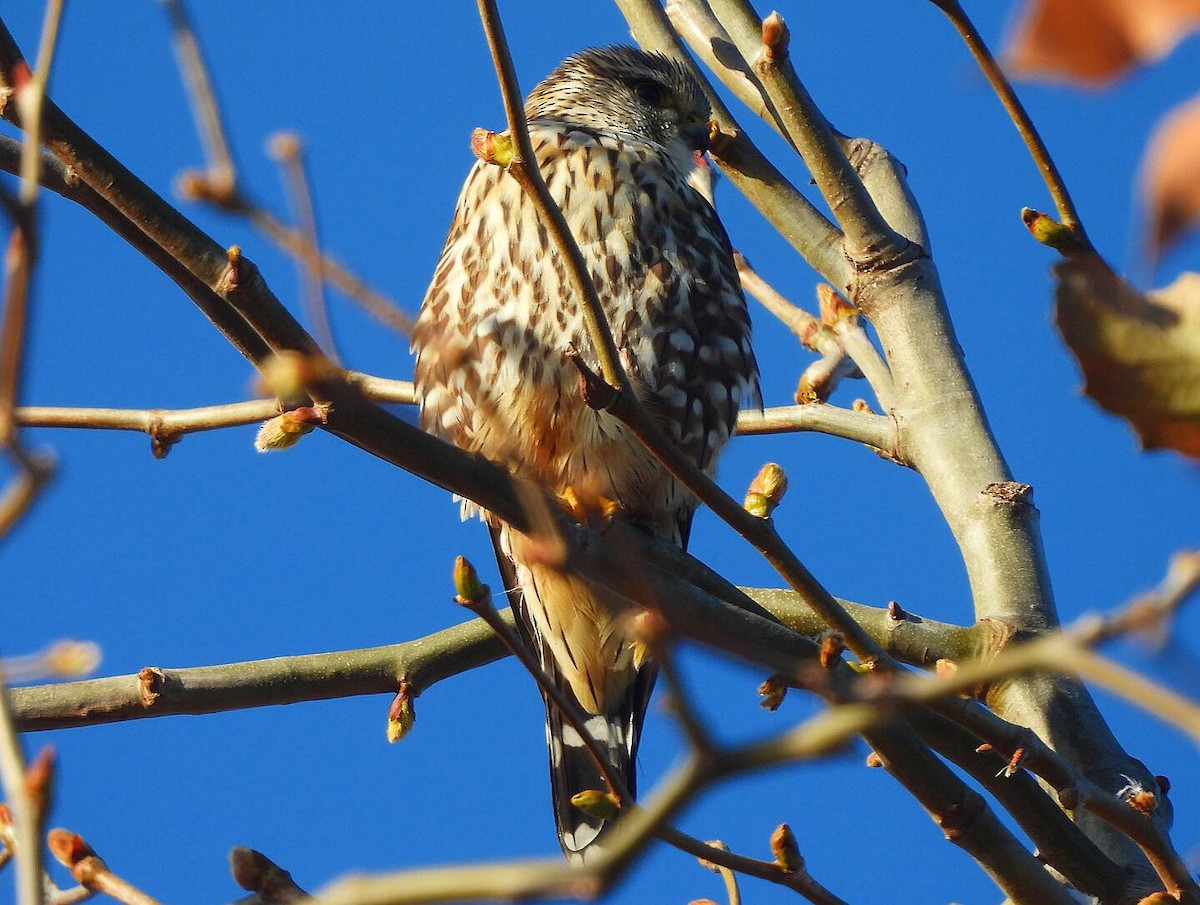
616 731
574 770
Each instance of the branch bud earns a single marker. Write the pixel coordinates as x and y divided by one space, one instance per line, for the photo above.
775 37
284 146
68 848
648 630
284 431
834 306
468 589
822 376
766 491
596 803
39 777
493 147
72 658
773 691
1049 231
401 714
709 865
784 848
832 647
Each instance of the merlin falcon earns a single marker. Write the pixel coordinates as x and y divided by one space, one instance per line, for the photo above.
616 133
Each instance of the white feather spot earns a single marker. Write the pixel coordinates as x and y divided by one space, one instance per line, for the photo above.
682 341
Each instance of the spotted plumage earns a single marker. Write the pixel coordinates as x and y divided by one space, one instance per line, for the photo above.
615 132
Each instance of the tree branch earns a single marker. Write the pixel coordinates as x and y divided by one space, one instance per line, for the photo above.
817 240
155 692
1020 118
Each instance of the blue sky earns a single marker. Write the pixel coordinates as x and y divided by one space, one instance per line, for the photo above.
218 554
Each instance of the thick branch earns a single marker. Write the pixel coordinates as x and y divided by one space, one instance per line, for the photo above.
259 683
861 223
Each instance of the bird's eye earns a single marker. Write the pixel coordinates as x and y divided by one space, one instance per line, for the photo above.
652 93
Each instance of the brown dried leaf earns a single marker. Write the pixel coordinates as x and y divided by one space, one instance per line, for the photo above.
1140 353
1095 41
1171 178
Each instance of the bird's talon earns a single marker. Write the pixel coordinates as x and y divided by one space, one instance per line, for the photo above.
586 509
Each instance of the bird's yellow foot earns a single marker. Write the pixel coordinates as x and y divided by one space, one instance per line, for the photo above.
587 508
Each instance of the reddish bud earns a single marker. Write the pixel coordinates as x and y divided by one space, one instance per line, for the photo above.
68 848
284 146
833 645
834 306
39 775
493 147
401 714
786 851
1049 231
775 37
773 691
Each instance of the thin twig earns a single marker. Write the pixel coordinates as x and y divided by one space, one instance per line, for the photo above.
219 186
167 426
479 602
207 112
89 870
376 303
792 315
526 879
1020 118
156 692
875 431
524 168
28 803
288 151
759 532
862 224
26 807
680 702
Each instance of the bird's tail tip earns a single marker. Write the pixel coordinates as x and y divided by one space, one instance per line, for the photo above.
584 811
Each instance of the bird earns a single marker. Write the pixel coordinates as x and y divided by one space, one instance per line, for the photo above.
616 134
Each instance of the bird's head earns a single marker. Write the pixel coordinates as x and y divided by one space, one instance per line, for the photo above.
623 89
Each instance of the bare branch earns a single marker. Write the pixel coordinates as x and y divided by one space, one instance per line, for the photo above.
288 151
282 680
1020 118
207 112
766 51
168 426
90 871
218 184
876 431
